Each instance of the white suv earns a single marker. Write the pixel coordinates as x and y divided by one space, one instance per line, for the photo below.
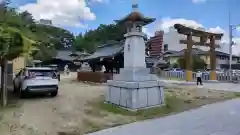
36 80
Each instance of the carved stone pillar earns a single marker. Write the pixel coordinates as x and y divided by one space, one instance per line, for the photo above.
212 59
188 58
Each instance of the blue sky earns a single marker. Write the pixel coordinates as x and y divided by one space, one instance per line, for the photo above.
209 13
82 15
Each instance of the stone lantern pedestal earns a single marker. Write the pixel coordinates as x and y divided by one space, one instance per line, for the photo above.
135 88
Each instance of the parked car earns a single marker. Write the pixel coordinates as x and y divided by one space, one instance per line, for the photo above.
36 80
56 70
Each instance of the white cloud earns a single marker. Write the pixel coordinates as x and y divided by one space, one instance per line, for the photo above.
217 30
166 23
225 41
92 2
238 28
198 1
61 12
98 1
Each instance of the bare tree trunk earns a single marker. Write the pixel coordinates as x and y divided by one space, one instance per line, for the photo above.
3 83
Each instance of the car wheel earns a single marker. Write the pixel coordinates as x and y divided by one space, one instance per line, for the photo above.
54 94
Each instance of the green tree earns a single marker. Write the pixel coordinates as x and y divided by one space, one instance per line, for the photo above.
12 42
35 33
198 63
11 46
181 63
58 37
175 65
45 52
92 38
21 35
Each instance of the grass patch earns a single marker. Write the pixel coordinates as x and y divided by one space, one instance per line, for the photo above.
172 105
177 99
92 126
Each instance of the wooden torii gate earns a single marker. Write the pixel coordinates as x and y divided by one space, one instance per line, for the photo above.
204 41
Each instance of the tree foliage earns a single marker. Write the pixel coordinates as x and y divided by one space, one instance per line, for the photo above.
92 38
35 35
21 35
11 44
47 51
57 37
198 63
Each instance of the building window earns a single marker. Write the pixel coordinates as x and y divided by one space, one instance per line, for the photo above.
165 47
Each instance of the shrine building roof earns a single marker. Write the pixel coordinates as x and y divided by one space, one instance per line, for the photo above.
106 50
195 51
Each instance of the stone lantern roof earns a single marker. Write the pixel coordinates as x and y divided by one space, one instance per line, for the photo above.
136 16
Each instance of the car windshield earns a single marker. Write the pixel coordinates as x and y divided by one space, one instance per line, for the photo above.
45 73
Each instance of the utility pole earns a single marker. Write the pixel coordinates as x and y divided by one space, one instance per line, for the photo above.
230 46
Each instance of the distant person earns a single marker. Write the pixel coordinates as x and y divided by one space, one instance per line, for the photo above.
66 70
199 77
103 69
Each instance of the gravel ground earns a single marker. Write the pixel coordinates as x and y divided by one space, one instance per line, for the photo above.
49 116
69 112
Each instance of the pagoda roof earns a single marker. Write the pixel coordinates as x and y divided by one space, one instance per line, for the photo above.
136 17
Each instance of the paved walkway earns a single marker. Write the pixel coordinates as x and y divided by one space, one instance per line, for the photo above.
215 119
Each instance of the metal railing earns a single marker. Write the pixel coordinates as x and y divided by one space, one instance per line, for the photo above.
179 75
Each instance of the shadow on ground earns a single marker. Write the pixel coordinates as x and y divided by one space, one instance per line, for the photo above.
14 99
65 133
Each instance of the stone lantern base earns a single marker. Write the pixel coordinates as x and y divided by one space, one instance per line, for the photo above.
135 89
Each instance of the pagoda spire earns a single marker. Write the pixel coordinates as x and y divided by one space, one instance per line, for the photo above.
134 6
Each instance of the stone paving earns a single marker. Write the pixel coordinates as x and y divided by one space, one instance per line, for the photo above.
214 119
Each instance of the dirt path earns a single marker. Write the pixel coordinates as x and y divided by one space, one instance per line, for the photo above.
48 116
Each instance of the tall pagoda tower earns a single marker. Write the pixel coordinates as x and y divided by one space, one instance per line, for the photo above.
135 87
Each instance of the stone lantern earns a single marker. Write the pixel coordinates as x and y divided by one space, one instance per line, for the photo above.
135 87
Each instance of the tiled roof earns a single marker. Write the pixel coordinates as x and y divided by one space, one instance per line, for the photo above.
154 60
195 51
66 54
107 50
